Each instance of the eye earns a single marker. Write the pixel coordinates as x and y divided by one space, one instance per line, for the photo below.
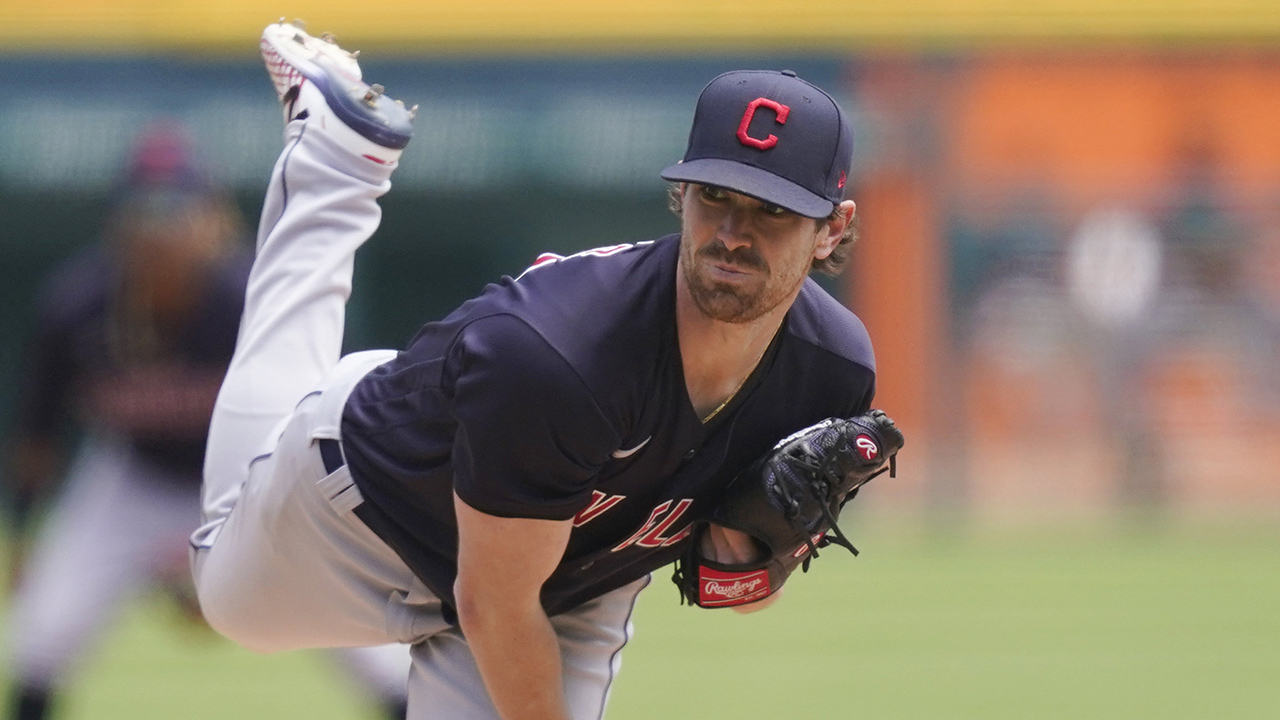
775 210
713 193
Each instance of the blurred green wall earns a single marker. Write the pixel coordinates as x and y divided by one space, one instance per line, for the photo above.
511 157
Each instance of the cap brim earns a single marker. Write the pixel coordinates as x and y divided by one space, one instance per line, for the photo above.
753 181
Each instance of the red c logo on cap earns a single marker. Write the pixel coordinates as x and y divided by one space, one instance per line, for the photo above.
778 108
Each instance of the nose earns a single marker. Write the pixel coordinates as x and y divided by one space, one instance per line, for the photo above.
735 228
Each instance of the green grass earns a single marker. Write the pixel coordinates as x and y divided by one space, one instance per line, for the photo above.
1029 623
156 666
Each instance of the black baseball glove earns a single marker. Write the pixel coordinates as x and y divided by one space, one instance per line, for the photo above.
788 502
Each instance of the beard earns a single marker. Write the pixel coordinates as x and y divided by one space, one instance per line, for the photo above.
733 302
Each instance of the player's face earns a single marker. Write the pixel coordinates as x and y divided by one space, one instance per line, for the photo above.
742 257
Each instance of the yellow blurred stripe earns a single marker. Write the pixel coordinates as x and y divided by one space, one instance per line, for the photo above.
489 25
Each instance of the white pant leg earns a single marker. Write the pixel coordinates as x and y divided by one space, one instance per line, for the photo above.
119 523
276 565
321 205
445 684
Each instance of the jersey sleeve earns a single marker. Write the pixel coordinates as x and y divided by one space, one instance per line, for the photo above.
530 436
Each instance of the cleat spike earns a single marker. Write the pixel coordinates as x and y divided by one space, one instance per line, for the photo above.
319 82
413 112
373 93
354 54
281 20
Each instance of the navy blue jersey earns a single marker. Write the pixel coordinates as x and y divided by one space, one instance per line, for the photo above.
561 395
77 371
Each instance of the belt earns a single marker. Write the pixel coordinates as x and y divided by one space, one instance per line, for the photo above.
331 454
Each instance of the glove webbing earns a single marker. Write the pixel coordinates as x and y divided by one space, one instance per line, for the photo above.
822 471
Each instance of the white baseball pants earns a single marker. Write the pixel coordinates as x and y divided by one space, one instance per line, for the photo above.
282 562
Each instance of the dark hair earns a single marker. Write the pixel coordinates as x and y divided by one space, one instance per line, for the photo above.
830 265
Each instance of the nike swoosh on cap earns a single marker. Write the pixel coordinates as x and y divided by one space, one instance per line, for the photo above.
620 453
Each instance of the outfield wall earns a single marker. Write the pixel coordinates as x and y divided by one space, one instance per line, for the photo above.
1044 355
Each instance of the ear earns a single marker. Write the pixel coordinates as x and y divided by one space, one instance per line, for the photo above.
831 231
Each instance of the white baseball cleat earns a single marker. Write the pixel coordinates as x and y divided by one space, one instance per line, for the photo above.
319 82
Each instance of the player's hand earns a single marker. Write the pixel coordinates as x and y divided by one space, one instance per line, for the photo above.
729 546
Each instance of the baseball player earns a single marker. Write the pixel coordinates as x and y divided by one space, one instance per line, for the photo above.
135 335
498 492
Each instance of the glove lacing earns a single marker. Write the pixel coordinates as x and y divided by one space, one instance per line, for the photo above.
825 476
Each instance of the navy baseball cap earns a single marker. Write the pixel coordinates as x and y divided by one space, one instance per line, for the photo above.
772 136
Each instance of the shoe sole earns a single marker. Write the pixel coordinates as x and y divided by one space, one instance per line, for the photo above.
292 57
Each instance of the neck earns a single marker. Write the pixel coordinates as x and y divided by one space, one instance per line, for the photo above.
717 356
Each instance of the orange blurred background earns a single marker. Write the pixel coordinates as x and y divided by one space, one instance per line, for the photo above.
1071 268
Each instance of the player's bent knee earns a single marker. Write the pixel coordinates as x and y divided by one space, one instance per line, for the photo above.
231 620
243 617
240 624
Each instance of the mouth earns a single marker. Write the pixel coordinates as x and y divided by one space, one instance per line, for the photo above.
729 272
723 263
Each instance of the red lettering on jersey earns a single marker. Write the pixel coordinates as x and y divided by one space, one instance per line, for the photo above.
600 504
650 535
780 110
654 538
680 535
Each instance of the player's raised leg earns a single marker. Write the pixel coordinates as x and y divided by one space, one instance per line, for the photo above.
343 139
281 562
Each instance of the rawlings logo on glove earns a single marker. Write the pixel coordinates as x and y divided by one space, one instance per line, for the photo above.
718 589
788 501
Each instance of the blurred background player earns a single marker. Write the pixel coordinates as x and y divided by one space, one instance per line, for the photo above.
134 336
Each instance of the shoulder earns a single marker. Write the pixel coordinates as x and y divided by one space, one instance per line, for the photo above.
501 361
823 367
506 345
601 310
822 322
503 376
556 288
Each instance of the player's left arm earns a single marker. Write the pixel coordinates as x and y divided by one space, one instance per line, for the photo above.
502 565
